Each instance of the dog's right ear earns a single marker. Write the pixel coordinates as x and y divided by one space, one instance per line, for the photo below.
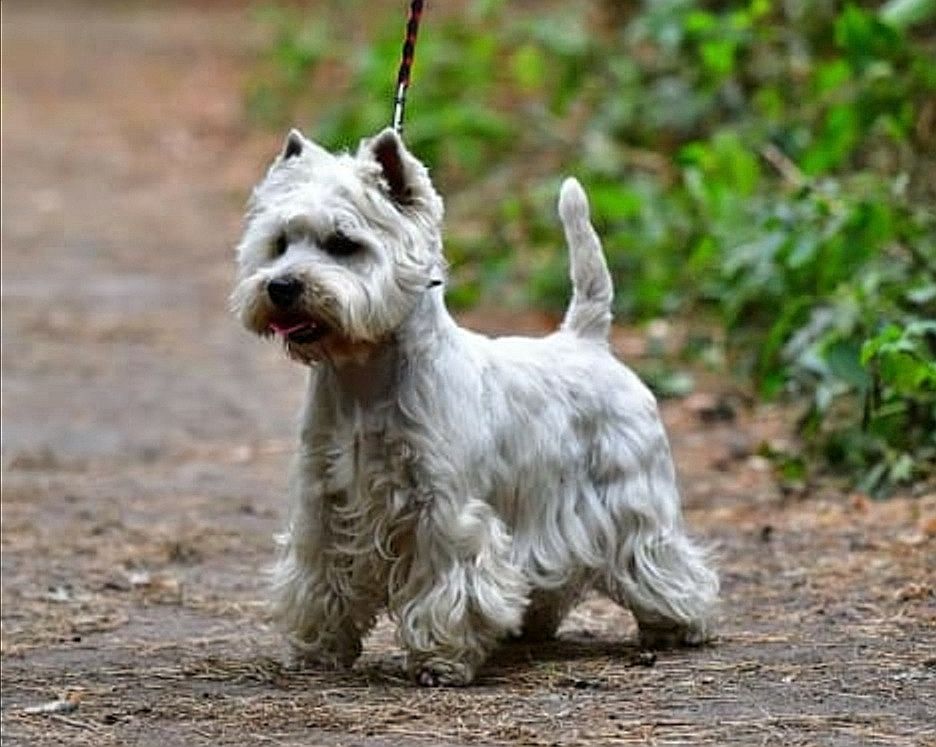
294 145
298 147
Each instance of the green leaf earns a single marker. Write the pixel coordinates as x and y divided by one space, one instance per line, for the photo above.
872 347
864 38
718 56
836 140
528 67
831 76
843 359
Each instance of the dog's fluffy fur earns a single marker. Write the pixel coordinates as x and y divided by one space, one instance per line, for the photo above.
473 488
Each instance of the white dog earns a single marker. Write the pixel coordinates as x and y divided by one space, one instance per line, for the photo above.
473 488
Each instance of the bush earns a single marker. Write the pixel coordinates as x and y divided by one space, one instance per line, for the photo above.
768 167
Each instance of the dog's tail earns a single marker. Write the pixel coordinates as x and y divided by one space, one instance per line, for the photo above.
589 314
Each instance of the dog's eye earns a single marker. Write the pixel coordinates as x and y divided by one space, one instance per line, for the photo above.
280 245
339 245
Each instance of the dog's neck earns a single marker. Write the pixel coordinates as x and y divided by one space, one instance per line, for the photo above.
427 326
375 374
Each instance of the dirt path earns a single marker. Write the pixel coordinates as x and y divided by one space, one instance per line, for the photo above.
145 437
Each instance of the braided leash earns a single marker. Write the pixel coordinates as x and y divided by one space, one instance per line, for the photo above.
406 63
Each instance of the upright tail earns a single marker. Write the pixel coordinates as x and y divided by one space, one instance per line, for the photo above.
589 314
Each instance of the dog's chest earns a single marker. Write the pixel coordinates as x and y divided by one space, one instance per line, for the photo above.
372 469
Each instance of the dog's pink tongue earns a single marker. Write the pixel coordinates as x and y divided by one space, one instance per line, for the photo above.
285 331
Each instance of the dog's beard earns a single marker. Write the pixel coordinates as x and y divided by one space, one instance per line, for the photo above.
311 339
306 337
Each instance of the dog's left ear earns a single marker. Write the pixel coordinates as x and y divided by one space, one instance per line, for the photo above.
402 173
385 159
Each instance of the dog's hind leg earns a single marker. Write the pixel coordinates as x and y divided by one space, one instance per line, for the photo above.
546 611
666 582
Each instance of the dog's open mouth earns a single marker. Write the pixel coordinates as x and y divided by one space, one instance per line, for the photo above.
300 331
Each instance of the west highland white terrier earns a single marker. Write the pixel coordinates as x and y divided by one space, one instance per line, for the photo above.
473 488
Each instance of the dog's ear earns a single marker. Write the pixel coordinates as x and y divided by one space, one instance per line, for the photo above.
297 145
399 174
390 153
294 145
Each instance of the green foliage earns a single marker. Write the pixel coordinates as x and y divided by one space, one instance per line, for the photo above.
900 416
767 167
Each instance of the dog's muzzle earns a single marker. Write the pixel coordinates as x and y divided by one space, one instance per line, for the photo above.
292 324
283 291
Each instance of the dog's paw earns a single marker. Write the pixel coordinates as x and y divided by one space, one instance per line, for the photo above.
441 673
659 636
300 661
304 657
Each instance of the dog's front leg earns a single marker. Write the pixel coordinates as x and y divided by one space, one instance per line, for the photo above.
462 593
326 596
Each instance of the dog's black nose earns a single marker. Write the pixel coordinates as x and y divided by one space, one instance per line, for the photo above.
283 291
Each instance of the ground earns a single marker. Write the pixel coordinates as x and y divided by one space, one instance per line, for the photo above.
145 438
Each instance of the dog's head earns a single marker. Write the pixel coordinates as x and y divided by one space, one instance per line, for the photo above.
338 249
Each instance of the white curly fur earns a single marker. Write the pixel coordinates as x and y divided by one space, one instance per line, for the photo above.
471 487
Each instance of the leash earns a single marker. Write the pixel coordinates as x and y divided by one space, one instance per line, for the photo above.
406 64
403 80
